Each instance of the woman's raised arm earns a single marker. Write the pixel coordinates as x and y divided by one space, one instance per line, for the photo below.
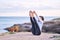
37 17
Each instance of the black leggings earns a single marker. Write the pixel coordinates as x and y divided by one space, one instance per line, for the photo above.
35 28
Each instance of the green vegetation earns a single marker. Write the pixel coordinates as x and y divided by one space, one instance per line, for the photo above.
11 32
56 37
2 34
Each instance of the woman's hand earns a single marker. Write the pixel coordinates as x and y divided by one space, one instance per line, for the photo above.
35 13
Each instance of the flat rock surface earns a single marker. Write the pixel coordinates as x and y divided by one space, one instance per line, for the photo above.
27 36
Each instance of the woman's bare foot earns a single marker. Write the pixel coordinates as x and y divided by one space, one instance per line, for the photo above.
34 13
31 14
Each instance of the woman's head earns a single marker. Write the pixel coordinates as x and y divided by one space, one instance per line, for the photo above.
42 18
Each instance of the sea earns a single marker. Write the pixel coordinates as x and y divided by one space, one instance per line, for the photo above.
10 21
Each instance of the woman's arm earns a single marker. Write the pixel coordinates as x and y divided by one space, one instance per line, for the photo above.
37 18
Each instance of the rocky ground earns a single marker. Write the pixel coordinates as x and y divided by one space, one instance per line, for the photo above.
28 36
24 32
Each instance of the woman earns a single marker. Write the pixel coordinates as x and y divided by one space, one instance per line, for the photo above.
37 23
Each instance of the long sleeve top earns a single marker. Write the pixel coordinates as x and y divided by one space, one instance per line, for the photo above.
39 22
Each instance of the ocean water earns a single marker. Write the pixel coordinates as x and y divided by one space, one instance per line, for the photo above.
10 21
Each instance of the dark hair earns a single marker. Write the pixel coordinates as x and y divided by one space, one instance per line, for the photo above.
42 17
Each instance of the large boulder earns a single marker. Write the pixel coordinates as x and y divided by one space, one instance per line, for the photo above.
19 27
14 28
51 26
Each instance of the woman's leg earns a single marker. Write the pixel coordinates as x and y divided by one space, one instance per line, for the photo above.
33 26
38 32
32 21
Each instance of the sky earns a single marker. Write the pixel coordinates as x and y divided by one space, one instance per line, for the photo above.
22 7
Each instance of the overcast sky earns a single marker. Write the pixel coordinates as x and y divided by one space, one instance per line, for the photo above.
22 7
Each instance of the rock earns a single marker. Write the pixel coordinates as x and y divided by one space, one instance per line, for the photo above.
51 26
14 28
19 27
48 26
56 19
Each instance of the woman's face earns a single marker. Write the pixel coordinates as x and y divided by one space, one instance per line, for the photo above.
40 18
